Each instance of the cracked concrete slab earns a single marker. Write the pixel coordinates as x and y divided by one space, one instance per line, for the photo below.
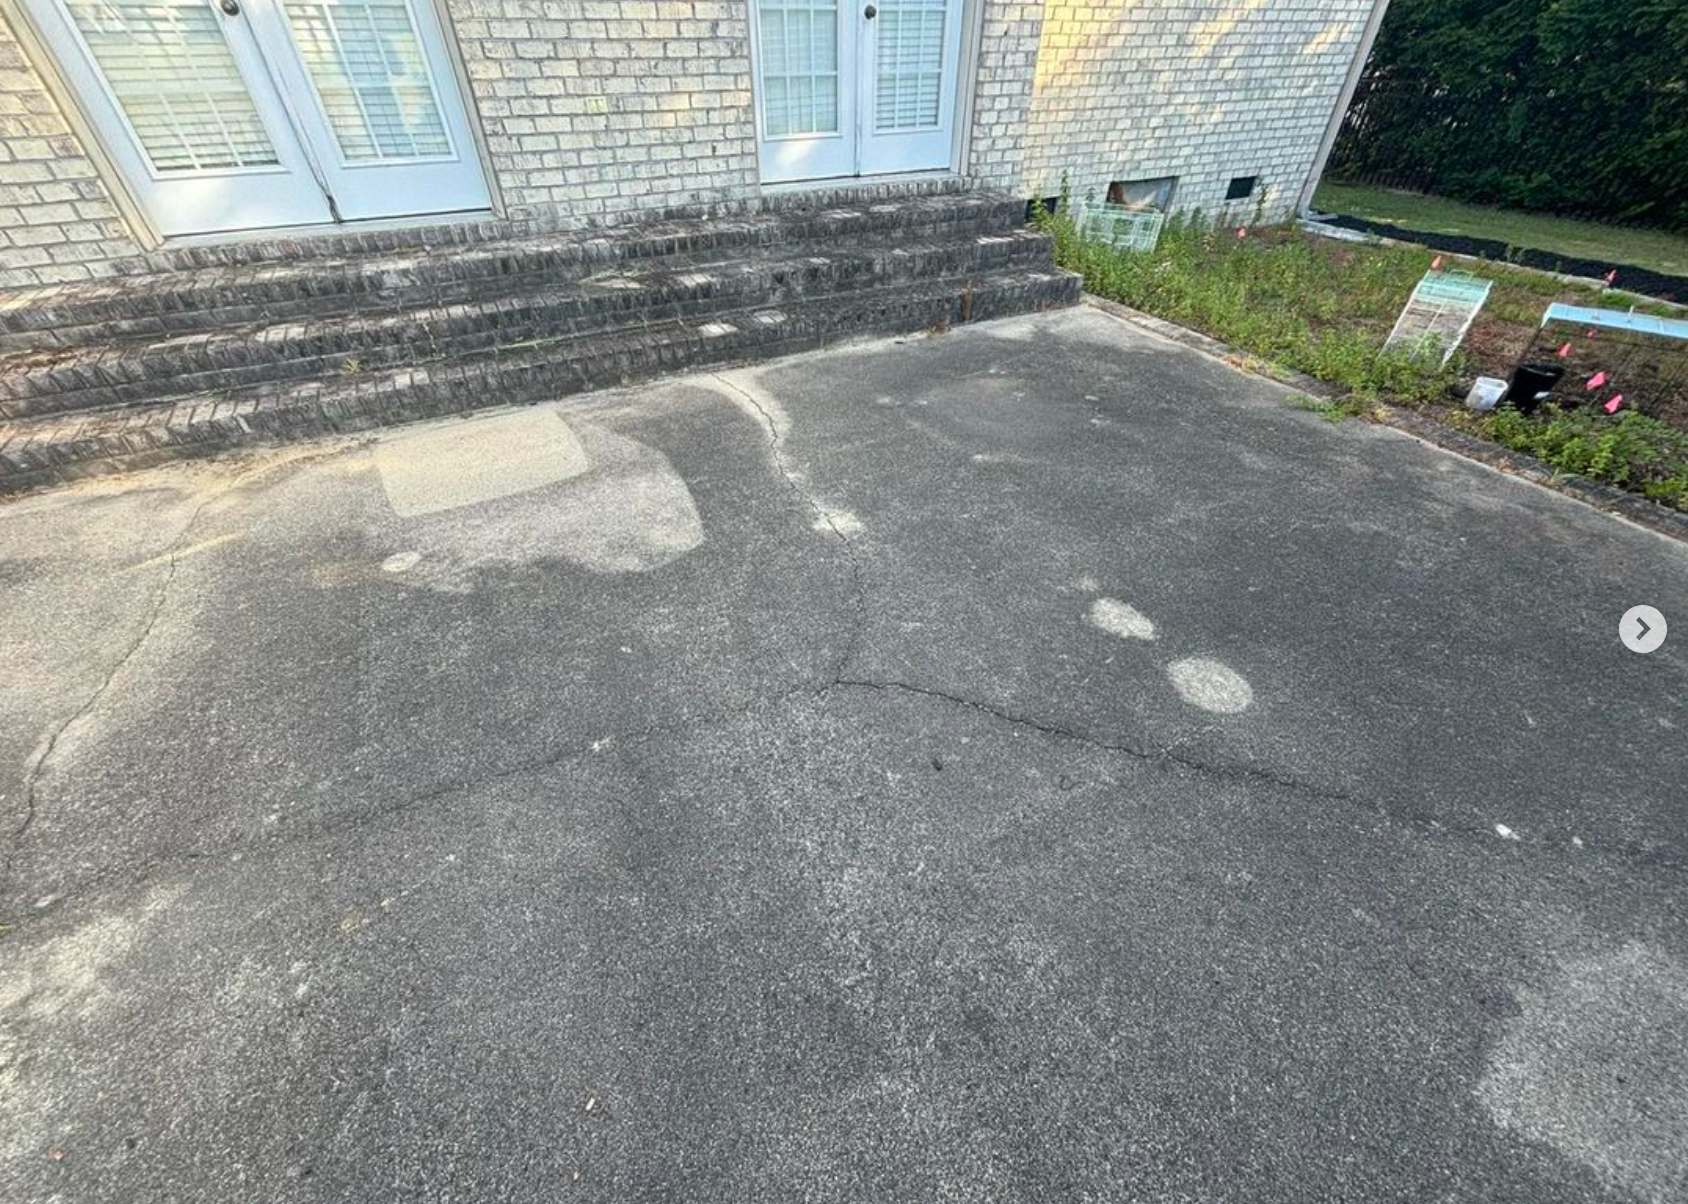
901 836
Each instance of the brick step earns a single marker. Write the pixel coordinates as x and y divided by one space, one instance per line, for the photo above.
189 300
38 451
59 380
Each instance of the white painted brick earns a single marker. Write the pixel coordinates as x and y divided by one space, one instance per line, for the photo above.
59 223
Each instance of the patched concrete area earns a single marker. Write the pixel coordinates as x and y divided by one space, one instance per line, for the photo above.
1033 763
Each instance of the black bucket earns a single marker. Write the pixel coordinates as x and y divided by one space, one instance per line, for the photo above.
1531 384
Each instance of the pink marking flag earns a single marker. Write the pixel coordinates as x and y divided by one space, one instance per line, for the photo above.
1611 277
1436 264
1565 352
1595 381
1242 233
1612 406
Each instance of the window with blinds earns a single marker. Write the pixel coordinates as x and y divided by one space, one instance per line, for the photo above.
171 72
366 62
908 64
799 59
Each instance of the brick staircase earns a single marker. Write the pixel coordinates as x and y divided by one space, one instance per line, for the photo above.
243 343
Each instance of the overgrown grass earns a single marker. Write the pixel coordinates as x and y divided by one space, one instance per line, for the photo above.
1300 302
1272 293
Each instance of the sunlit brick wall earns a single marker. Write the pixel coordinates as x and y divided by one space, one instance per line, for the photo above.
1134 89
1008 49
600 107
57 222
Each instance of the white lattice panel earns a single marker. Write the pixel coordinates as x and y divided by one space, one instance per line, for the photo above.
1438 314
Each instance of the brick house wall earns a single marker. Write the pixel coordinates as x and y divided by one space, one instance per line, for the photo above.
595 110
1200 91
57 221
672 126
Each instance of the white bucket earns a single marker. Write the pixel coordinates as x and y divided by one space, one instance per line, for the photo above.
1485 393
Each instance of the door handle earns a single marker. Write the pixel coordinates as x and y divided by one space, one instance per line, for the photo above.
870 12
229 7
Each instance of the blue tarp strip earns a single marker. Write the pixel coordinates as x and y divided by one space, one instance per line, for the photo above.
1669 328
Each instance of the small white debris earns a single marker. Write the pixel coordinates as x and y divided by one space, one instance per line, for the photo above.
400 562
715 330
1505 833
1577 840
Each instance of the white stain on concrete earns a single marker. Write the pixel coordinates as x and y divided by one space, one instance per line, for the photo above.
446 466
1210 685
400 562
1116 618
760 406
838 522
1596 1066
60 985
619 508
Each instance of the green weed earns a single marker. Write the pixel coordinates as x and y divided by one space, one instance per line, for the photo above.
1323 308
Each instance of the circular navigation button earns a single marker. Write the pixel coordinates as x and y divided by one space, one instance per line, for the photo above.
1642 629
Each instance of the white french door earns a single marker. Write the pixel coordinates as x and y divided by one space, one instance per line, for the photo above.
852 88
245 114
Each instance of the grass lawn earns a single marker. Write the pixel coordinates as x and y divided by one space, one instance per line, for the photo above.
1658 250
1296 300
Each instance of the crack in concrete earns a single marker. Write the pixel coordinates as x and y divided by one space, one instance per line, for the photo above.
794 482
1162 755
33 776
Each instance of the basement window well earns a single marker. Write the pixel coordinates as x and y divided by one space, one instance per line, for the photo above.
1155 193
1241 188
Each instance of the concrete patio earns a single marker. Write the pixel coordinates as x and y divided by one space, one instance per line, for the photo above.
1032 763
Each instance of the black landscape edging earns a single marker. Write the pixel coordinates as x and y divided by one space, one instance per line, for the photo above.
1631 279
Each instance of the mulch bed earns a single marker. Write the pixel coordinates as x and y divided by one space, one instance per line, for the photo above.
1630 279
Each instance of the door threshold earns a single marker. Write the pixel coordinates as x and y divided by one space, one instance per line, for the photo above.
369 225
940 175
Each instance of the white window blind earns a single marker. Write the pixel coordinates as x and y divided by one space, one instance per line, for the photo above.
366 62
909 64
799 52
170 70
